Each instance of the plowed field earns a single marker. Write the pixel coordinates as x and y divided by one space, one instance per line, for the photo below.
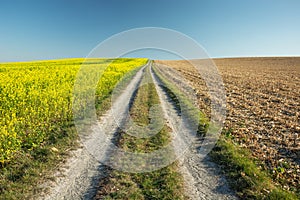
263 109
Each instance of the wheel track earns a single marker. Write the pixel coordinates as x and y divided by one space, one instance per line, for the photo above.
79 176
202 177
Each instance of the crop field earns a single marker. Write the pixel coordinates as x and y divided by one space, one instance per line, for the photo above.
36 99
263 110
36 116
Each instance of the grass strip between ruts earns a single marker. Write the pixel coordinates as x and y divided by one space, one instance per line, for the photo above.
165 183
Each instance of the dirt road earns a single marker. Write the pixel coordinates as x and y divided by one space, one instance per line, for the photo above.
78 177
202 179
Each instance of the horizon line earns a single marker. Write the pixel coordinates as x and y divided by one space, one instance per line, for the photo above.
218 57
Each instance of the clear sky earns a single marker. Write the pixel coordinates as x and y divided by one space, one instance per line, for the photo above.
49 29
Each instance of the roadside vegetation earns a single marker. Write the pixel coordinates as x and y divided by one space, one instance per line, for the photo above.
245 173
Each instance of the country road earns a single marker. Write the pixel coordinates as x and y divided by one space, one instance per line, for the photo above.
79 176
202 179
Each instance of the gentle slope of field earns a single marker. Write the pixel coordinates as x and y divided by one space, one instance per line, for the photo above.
263 109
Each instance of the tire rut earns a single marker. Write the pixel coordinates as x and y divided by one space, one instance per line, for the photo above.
202 177
79 176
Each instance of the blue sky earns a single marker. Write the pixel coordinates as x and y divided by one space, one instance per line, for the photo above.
50 29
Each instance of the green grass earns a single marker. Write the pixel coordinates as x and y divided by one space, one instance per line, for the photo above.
165 183
244 173
21 178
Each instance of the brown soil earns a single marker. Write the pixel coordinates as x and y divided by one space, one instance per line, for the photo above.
263 109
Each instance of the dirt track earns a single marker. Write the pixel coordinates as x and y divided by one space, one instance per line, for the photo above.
78 177
202 179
